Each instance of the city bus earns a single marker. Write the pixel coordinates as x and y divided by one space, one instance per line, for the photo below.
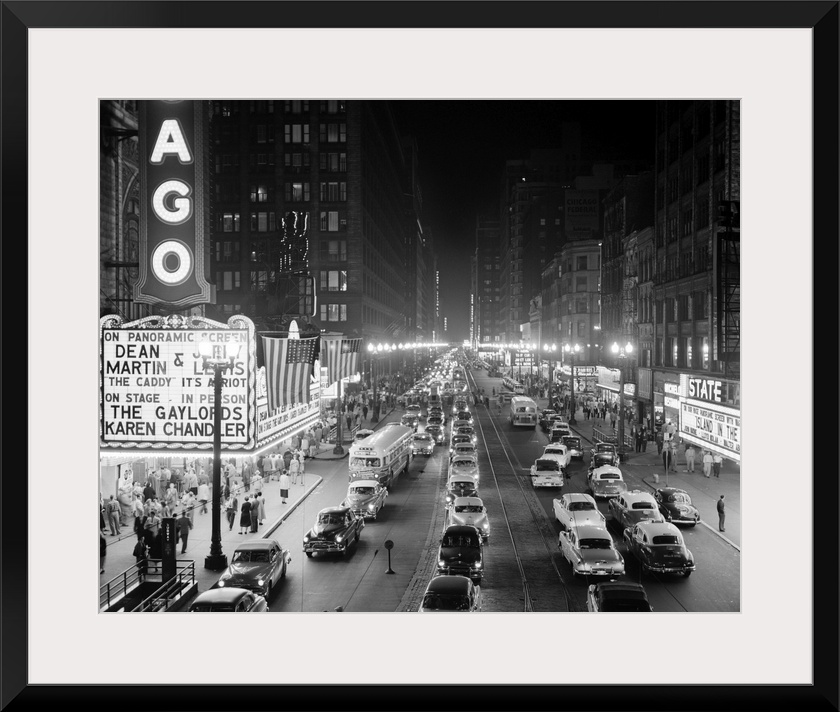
383 455
523 411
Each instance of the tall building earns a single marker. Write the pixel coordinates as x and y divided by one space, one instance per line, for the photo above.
485 282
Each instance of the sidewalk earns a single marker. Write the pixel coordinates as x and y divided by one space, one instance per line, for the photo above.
704 493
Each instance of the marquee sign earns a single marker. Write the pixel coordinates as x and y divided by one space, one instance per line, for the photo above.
173 215
155 393
714 427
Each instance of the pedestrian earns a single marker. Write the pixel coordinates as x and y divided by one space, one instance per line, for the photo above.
313 448
103 548
364 411
666 458
717 461
659 442
245 516
689 457
708 460
257 481
261 508
188 504
149 490
302 470
246 479
139 518
151 527
112 509
255 513
171 497
141 557
721 507
203 496
284 486
287 459
191 482
294 469
304 445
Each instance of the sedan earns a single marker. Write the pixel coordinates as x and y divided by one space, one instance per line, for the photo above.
464 449
577 509
617 597
604 454
435 420
467 430
464 465
590 551
464 414
572 443
558 432
545 418
451 594
470 511
675 505
559 452
257 566
458 439
335 530
546 472
365 498
422 444
460 486
410 421
606 481
437 433
630 508
660 548
229 600
414 410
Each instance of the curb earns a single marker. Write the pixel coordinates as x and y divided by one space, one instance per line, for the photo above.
291 509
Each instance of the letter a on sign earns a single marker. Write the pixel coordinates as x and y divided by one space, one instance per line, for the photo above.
173 262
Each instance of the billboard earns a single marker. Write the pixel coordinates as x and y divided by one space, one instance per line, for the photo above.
154 390
582 214
714 427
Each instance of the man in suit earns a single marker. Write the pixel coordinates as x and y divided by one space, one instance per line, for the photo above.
721 508
112 508
183 524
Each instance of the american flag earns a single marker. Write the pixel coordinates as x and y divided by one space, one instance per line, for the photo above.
288 369
341 357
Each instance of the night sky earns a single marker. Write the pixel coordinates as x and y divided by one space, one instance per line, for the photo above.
462 149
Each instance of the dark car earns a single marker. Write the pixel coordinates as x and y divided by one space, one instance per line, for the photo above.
256 565
335 530
604 454
573 446
437 433
675 505
460 553
617 597
545 418
460 486
451 593
229 600
660 548
464 415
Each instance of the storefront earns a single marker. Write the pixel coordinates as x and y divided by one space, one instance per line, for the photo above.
608 385
666 403
710 414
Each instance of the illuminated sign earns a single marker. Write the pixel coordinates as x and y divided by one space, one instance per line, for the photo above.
155 393
173 259
706 389
714 427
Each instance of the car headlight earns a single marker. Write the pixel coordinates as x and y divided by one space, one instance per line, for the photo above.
371 507
441 563
260 582
486 525
306 538
338 538
476 565
221 583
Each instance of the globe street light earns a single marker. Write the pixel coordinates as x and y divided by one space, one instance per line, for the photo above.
623 353
550 350
573 352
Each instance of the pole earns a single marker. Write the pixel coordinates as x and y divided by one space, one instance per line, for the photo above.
374 407
572 420
217 560
550 377
338 450
621 405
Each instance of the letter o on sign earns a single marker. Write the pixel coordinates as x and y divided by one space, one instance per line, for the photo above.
389 544
172 262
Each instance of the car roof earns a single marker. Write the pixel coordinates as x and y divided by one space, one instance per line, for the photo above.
226 594
656 528
672 490
462 478
638 496
606 468
545 459
460 529
364 483
329 510
449 584
554 446
464 501
577 497
587 531
256 545
619 587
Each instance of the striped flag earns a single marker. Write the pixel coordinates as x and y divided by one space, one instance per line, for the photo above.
288 369
341 357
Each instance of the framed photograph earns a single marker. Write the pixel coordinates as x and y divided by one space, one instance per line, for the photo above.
775 647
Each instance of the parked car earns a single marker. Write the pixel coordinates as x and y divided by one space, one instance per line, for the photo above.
229 600
460 553
422 444
591 551
464 464
437 433
336 528
470 511
576 509
606 481
557 451
675 506
545 418
630 508
256 565
660 548
617 597
451 594
365 498
460 486
457 439
572 443
604 454
546 472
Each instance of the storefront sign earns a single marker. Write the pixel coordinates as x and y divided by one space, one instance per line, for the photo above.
280 422
714 427
523 358
672 395
706 389
155 392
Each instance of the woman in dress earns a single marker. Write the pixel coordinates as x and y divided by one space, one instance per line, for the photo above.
261 500
245 516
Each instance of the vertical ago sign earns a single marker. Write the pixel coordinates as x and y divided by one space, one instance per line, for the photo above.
173 217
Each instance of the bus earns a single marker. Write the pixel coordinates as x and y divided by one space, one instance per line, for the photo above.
383 455
523 411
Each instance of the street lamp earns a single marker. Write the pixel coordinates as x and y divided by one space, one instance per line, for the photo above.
550 350
374 407
623 353
218 358
573 352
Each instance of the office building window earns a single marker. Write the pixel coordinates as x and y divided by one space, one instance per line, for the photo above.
333 280
333 221
230 222
260 194
581 328
296 162
333 250
263 222
687 222
297 192
581 306
333 312
227 281
581 262
334 162
296 133
333 106
580 284
296 106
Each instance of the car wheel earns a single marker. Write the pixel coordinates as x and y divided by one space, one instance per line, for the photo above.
309 554
686 573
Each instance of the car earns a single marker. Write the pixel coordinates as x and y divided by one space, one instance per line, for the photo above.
335 530
675 506
256 565
457 439
545 418
460 553
606 481
229 600
467 430
590 551
572 443
604 454
558 432
617 597
460 423
464 415
362 433
460 405
437 433
557 451
463 464
660 548
460 486
546 472
434 419
464 448
634 506
365 498
470 511
414 410
411 421
576 509
422 444
451 593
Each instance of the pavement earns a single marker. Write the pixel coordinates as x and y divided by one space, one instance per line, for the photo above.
119 556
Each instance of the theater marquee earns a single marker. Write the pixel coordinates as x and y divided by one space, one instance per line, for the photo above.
712 426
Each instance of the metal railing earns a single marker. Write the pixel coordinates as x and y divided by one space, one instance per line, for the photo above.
116 589
161 600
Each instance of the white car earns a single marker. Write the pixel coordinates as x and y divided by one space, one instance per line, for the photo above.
464 465
463 449
590 551
470 511
559 452
577 509
460 486
546 472
606 481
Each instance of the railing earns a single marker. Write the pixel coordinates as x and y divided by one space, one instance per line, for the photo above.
116 589
162 599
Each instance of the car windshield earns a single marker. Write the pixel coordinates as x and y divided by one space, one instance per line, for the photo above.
603 448
679 498
362 490
362 462
250 556
543 465
643 505
331 518
572 441
469 508
666 539
581 506
422 438
463 463
451 540
609 476
450 602
596 543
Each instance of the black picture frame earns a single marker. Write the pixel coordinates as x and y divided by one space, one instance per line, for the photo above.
820 17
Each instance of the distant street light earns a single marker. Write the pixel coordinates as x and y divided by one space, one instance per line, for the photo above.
623 353
573 352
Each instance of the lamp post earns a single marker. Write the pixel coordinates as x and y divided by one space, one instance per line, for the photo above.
218 358
374 406
550 350
622 352
573 352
